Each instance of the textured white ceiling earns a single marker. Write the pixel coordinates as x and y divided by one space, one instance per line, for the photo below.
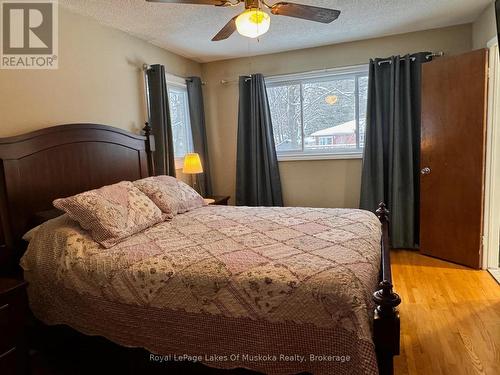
187 29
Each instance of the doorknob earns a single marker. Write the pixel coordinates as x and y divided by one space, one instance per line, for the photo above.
425 170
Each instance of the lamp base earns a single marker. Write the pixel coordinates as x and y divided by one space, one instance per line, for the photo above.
194 183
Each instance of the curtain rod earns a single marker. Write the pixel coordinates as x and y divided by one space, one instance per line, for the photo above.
328 70
324 70
146 67
434 54
227 82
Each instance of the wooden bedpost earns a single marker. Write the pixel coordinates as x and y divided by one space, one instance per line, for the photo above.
150 148
386 328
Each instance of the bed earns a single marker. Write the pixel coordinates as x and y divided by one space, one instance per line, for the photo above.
276 290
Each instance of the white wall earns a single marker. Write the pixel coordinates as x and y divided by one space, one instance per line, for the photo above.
99 80
484 27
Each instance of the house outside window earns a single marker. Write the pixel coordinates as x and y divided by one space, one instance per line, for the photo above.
319 115
179 114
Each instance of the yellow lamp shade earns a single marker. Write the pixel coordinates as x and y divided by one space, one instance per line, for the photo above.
192 164
253 23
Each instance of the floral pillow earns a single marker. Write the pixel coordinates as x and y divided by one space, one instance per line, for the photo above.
171 195
111 213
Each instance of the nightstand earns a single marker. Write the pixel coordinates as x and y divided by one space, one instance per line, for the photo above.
220 200
13 311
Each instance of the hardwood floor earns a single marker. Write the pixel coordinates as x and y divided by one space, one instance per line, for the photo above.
450 317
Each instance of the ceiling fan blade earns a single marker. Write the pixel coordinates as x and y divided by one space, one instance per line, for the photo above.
306 12
226 31
197 2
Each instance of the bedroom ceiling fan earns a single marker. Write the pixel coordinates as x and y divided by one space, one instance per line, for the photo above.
254 22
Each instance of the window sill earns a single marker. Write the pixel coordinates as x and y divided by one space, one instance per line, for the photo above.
300 157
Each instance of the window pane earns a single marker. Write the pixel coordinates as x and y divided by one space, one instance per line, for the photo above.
284 102
179 114
329 115
320 114
363 101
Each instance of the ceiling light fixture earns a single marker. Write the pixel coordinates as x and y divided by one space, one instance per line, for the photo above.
253 23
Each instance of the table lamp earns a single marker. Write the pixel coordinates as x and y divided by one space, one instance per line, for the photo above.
192 166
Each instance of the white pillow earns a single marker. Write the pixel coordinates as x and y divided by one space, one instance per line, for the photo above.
170 195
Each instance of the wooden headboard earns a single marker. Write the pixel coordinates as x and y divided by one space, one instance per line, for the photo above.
59 161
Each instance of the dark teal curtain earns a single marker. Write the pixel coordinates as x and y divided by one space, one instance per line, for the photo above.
392 144
257 173
159 119
198 129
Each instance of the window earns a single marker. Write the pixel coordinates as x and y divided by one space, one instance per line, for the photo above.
319 115
179 114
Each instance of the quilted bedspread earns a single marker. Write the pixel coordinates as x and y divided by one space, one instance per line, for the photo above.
220 280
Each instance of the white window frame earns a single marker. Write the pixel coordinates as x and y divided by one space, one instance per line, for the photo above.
180 84
297 78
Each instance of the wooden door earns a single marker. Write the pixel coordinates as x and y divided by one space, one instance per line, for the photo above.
454 99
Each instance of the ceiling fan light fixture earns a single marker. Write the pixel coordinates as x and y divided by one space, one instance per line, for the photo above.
253 23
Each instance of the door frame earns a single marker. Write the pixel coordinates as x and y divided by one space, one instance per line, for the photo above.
491 237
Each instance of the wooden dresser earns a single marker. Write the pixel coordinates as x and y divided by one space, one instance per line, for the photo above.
13 312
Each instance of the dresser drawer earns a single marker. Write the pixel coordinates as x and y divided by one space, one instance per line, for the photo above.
12 317
8 362
4 316
7 337
13 311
